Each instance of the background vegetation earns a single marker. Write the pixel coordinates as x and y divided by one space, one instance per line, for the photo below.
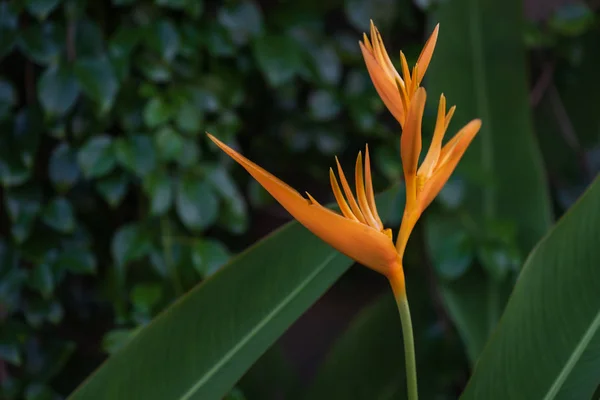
113 204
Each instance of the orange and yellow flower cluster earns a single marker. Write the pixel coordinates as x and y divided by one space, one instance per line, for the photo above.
358 231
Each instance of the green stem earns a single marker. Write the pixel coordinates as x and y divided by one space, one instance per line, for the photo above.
407 333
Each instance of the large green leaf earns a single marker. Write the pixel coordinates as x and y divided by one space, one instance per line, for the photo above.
547 344
199 347
479 63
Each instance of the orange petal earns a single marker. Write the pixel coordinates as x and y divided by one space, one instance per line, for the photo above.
370 193
353 205
405 73
433 154
410 144
385 87
339 197
362 243
381 54
426 54
362 195
451 155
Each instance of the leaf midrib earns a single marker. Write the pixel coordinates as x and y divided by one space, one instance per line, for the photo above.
585 340
256 330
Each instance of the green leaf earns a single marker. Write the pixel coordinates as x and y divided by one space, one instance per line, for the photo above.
169 143
450 246
196 203
157 112
188 118
479 79
171 358
62 168
96 157
243 21
145 296
208 256
41 8
279 58
130 243
113 187
158 187
77 261
57 90
23 205
572 19
136 153
97 80
551 325
59 215
42 279
38 391
117 338
323 105
8 98
42 43
164 38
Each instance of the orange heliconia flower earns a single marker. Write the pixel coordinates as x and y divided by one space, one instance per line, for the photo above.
358 232
424 183
396 91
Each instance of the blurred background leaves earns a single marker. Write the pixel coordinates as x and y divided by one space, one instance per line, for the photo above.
113 205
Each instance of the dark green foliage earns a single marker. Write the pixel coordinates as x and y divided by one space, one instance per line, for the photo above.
113 203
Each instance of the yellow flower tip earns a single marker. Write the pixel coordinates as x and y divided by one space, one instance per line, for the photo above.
360 241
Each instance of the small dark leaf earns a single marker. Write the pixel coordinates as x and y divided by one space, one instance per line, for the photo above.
208 256
57 90
196 203
243 21
117 338
130 243
59 215
97 80
42 43
169 143
96 157
145 296
323 105
190 154
38 391
113 187
89 40
188 118
41 8
279 58
23 205
63 168
164 39
450 246
42 279
9 352
8 98
157 112
76 261
136 153
159 189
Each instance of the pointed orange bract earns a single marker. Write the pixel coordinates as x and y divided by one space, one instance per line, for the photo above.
424 183
366 242
396 91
